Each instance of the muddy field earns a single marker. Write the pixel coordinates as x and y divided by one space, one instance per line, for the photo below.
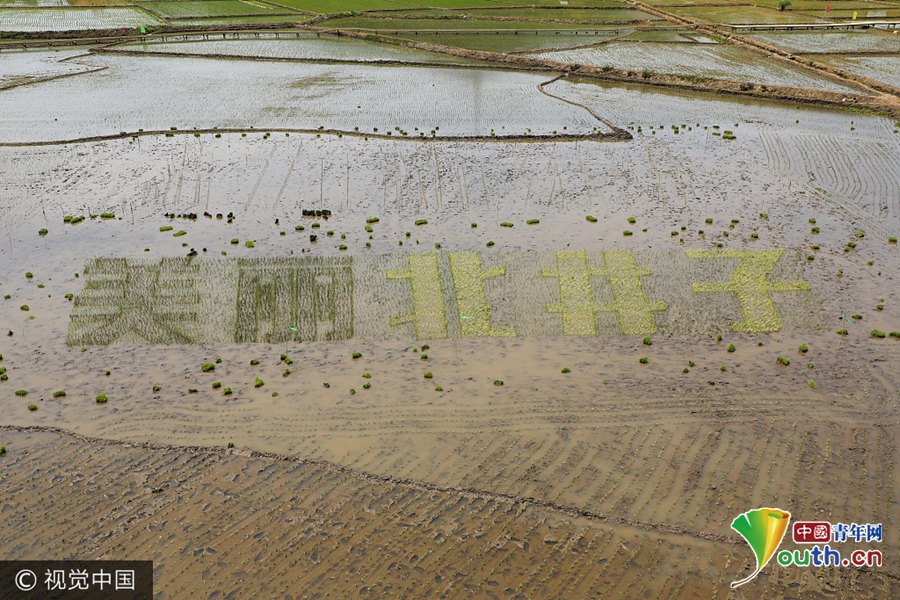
337 363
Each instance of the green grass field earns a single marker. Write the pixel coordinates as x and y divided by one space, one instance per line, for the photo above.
445 24
211 8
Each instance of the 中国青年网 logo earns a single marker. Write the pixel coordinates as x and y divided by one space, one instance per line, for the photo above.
764 529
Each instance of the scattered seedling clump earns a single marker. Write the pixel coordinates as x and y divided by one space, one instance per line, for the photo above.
32 407
566 370
783 360
643 360
101 399
498 382
21 392
207 367
259 383
877 333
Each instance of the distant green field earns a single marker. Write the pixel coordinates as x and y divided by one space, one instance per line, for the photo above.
281 18
447 24
210 8
336 6
743 15
583 15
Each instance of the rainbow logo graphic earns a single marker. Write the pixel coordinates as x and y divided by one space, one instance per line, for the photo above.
763 529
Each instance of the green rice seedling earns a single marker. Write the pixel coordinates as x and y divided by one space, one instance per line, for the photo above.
29 275
249 244
107 215
371 220
840 273
498 382
719 338
810 365
877 333
284 357
101 399
25 307
591 218
692 364
7 297
673 233
506 224
489 244
326 384
274 394
342 247
648 341
783 360
815 230
759 344
892 240
286 373
763 215
723 368
67 219
438 389
644 230
192 390
812 221
40 286
725 233
316 225
288 361
408 234
632 220
77 219
428 375
69 297
352 391
842 332
754 235
868 262
156 388
532 221
207 367
421 222
857 317
851 244
231 444
216 385
879 307
685 370
259 383
731 347
218 361
43 231
2 450
357 355
895 334
860 234
367 376
566 370
254 362
59 394
414 350
626 233
179 233
424 357
32 407
700 232
811 384
708 221
329 233
437 245
235 241
643 360
605 381
803 348
299 228
369 229
367 385
108 373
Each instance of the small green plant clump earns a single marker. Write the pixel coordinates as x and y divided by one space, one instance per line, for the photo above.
498 382
25 307
32 407
286 373
59 394
101 399
723 368
892 240
216 385
731 347
842 332
249 244
2 450
803 348
43 231
179 233
259 383
21 392
632 220
438 389
428 375
591 218
811 384
566 370
192 390
357 355
783 360
231 444
254 362
877 333
895 334
226 391
326 384
643 360
506 224
532 221
857 317
156 388
422 222
207 367
490 243
648 341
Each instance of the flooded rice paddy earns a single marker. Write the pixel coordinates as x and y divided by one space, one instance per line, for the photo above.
703 60
68 19
349 366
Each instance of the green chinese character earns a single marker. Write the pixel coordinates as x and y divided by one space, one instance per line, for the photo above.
749 283
428 314
577 306
468 284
